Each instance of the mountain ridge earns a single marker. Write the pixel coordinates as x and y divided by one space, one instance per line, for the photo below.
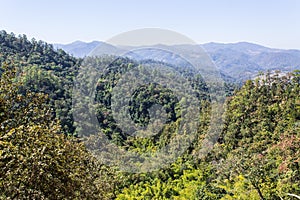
241 60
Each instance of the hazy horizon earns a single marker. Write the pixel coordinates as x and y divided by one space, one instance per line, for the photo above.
225 43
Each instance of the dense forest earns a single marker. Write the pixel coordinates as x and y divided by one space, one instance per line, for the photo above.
43 156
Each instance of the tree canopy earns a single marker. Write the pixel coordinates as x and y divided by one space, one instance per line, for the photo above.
41 157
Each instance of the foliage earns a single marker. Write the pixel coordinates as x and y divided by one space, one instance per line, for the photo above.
37 161
260 140
45 70
256 156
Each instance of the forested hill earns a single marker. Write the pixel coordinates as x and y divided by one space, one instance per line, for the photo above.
256 155
47 70
23 51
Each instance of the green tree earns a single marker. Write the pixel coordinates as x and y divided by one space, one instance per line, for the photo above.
36 160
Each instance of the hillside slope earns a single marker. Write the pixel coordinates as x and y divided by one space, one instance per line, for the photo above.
46 69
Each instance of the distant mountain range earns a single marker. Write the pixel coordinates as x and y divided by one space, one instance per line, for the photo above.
237 61
78 48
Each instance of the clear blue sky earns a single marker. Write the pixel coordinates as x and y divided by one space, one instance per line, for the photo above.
273 23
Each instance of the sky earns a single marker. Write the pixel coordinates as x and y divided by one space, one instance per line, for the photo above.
272 23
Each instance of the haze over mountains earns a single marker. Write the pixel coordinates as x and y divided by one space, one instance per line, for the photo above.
237 61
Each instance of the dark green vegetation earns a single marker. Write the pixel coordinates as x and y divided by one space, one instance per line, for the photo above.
37 159
45 70
256 156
